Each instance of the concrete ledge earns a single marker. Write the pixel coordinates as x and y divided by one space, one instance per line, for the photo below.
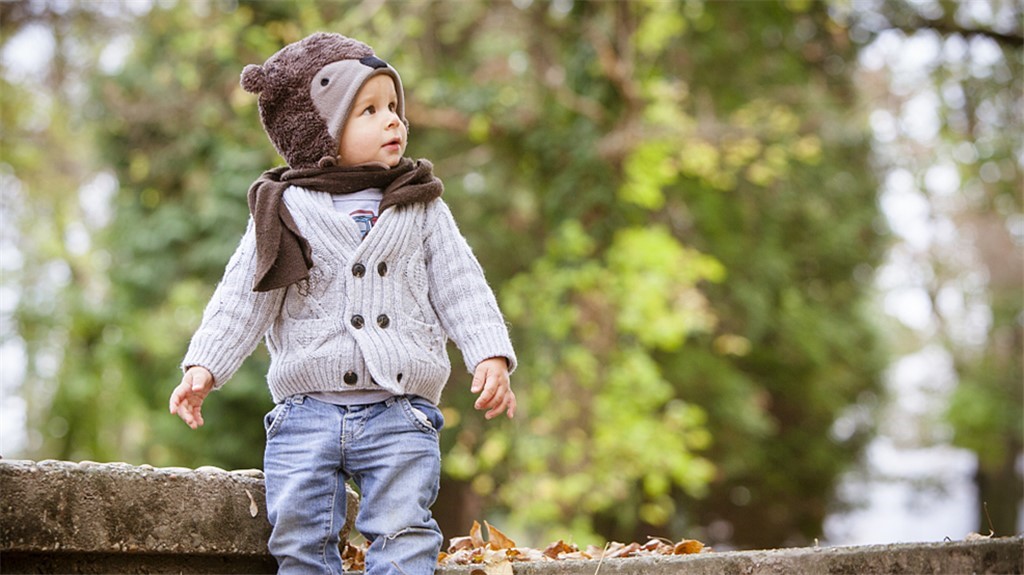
57 516
61 517
1003 555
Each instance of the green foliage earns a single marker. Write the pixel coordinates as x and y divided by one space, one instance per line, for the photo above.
590 324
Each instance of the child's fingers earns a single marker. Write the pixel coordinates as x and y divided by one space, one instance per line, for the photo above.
187 404
495 401
191 415
502 400
479 378
506 405
511 404
184 411
495 411
492 384
494 391
486 398
178 396
197 415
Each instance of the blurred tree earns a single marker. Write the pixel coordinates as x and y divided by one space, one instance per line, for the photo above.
674 201
964 162
52 267
780 189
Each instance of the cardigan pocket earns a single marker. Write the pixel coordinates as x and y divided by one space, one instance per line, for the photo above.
304 337
429 340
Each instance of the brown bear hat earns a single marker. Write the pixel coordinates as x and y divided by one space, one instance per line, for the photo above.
306 91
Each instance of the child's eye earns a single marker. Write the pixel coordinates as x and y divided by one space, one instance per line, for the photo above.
393 107
370 110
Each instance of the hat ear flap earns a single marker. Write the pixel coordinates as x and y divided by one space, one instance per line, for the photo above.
254 78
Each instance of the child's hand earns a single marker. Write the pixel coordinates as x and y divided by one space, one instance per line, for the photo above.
491 377
187 398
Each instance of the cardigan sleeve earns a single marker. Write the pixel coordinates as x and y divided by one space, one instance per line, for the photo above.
236 318
459 292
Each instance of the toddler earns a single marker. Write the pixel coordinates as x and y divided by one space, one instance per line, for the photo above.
354 272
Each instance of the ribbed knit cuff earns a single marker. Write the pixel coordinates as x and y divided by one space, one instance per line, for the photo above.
490 342
221 360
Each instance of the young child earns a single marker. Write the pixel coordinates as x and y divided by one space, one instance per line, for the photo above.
353 270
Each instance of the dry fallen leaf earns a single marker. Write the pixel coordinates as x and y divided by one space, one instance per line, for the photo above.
687 546
526 554
475 536
595 551
658 546
496 555
617 550
559 547
496 539
353 558
254 509
460 543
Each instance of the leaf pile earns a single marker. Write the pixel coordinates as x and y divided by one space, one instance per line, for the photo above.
499 550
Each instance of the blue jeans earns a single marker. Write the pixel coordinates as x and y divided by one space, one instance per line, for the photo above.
390 449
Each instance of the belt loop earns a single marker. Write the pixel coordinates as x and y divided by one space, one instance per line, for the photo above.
391 400
299 399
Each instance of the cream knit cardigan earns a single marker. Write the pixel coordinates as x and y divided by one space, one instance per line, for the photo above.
375 313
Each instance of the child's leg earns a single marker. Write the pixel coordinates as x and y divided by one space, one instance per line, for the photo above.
396 461
305 485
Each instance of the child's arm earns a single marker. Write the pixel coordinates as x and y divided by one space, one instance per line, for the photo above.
490 380
187 398
469 312
234 322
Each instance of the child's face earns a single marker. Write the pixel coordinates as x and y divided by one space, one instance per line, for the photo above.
373 132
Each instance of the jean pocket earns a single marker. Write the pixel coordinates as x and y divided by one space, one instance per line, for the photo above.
275 417
423 415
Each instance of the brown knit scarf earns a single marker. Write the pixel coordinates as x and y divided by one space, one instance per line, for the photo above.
283 256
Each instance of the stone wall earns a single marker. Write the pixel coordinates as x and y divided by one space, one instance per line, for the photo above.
61 517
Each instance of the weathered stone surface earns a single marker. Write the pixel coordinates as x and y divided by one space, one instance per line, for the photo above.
61 517
95 514
113 507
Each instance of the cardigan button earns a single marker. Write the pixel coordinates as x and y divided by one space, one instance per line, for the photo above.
359 270
383 321
350 377
357 321
382 269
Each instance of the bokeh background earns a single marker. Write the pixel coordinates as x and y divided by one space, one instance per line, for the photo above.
762 260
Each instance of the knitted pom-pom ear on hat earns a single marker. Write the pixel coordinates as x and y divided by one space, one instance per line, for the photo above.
253 78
